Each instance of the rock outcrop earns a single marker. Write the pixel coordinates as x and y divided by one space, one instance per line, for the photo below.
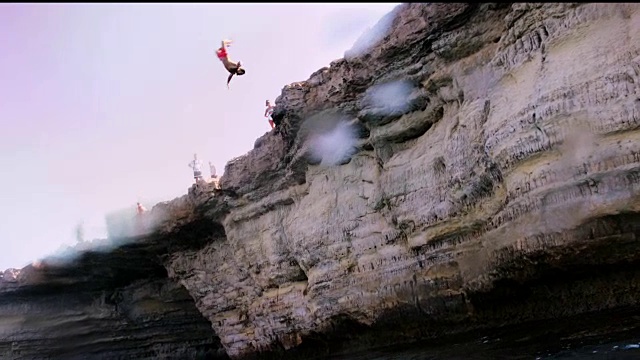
116 304
487 173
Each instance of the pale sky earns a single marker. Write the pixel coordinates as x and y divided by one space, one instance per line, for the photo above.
103 105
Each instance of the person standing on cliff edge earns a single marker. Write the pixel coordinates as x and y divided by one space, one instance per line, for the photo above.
234 68
268 112
214 177
196 165
140 223
140 209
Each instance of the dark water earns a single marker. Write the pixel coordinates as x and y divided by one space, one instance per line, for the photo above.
611 335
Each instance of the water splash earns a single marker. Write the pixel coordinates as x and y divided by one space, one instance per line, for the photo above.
330 137
116 229
390 98
334 146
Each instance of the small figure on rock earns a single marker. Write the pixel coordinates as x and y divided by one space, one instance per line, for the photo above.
140 223
234 68
196 165
214 177
141 209
268 112
80 233
115 299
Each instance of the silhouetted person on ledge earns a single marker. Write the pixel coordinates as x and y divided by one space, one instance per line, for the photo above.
115 298
140 209
140 224
214 177
196 165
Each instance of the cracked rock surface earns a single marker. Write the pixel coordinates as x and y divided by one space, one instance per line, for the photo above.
492 178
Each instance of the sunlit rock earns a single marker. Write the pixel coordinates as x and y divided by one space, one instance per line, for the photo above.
492 177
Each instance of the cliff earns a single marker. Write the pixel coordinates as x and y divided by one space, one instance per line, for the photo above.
113 304
486 172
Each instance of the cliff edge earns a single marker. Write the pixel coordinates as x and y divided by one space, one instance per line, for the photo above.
489 175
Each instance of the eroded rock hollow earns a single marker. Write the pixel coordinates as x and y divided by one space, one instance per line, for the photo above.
486 172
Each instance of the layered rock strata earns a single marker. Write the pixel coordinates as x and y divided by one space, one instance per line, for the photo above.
108 304
486 172
494 178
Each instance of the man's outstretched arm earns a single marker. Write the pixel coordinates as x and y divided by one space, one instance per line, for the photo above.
229 79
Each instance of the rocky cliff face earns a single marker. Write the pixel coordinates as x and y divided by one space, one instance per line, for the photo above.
489 174
101 305
494 179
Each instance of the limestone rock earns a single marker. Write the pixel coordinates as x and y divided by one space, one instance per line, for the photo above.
108 306
501 144
494 179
